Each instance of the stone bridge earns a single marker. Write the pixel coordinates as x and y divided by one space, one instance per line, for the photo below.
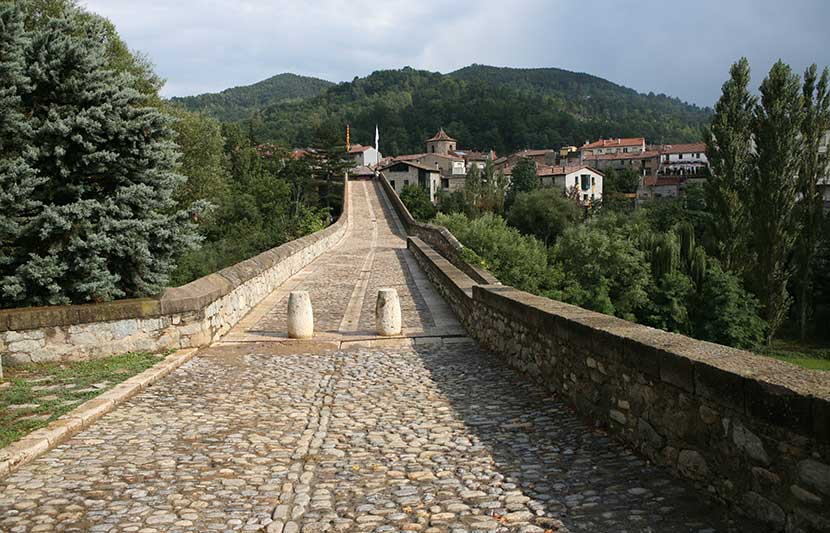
431 431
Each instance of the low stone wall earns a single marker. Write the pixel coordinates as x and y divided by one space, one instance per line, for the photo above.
188 316
441 239
747 430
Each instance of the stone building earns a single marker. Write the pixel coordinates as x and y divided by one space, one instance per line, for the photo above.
403 173
441 143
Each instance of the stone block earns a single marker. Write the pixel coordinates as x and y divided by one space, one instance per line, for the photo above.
722 386
815 475
749 443
760 508
676 369
692 465
778 405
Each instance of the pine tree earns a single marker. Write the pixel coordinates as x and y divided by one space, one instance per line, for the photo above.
105 224
17 177
814 166
729 149
774 189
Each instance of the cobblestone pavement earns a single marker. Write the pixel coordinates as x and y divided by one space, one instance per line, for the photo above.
343 283
263 436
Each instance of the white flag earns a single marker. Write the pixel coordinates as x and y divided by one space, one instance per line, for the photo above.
377 138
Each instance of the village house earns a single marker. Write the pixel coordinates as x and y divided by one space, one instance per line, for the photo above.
613 146
581 182
364 155
643 163
403 173
476 159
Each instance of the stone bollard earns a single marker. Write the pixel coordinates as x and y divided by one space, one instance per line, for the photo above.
388 312
300 315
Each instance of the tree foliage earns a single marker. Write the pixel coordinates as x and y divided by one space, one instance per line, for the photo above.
416 199
101 222
729 151
774 189
240 103
484 108
543 213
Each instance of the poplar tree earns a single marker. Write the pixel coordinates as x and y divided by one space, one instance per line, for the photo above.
102 223
774 189
814 166
729 151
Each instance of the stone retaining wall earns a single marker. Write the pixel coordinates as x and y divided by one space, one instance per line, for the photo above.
188 316
747 430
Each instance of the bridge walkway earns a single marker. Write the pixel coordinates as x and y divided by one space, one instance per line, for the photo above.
257 433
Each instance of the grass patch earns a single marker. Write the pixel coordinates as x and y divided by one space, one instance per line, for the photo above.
807 355
33 395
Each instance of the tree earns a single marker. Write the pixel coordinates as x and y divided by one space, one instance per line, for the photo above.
544 213
417 201
524 177
729 151
725 312
18 179
774 190
106 224
200 140
616 185
515 259
814 166
117 55
604 270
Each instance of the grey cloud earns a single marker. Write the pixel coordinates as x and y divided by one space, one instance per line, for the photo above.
683 49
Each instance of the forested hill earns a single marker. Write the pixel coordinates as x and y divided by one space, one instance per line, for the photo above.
483 107
238 103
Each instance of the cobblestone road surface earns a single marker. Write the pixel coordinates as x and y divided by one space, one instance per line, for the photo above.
436 438
264 436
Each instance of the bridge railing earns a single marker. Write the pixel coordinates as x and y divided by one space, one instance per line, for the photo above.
745 429
187 316
438 237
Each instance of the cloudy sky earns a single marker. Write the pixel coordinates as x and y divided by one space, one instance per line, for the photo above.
683 49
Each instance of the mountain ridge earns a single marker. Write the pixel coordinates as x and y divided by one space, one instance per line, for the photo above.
238 103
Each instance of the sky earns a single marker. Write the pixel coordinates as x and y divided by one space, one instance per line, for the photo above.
683 49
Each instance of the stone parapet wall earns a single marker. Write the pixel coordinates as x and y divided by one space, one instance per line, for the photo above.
441 239
746 430
188 316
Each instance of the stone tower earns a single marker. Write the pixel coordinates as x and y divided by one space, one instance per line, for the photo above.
440 143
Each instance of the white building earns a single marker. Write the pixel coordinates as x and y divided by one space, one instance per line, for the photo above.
365 156
403 173
585 183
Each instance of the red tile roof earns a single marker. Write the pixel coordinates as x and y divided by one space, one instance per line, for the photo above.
440 136
410 157
688 148
357 148
648 154
408 163
611 143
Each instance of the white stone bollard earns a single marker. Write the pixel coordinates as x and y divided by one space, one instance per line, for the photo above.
388 312
300 315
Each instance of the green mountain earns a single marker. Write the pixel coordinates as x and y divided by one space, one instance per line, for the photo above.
483 107
238 103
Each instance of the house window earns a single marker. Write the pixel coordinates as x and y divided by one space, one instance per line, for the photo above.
666 157
679 156
405 183
593 180
445 183
392 183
